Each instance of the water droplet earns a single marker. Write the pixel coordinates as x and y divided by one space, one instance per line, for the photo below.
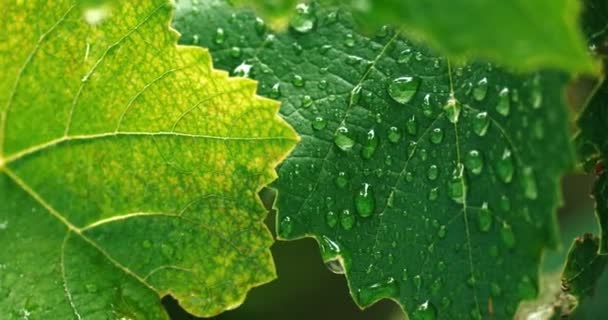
481 122
442 232
403 89
425 311
481 89
505 203
405 56
417 279
347 219
304 20
370 146
335 266
436 136
319 123
504 102
196 39
529 183
474 162
507 235
341 180
434 194
504 166
342 140
235 52
307 101
331 218
452 109
537 93
355 95
394 136
297 80
457 186
349 41
384 289
411 126
484 218
260 26
365 202
433 172
220 36
275 91
441 266
286 227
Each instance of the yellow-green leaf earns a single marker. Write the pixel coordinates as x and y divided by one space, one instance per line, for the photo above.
129 167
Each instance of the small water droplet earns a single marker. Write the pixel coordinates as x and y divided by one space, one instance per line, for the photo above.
504 166
347 219
433 172
322 84
484 218
286 227
355 95
405 56
319 123
297 81
417 279
235 52
474 162
425 311
385 289
433 194
436 136
341 180
394 136
365 202
504 102
342 140
403 89
442 232
411 126
260 26
507 235
307 101
349 41
529 183
370 146
457 186
220 36
304 20
275 91
481 122
481 89
331 218
537 93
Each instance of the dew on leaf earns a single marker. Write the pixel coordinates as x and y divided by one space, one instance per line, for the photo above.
452 109
411 125
365 202
403 89
457 185
436 136
394 136
442 232
484 218
433 172
425 311
347 219
235 52
504 166
504 102
319 123
350 41
529 183
342 140
474 162
507 235
220 36
481 122
433 193
286 226
384 289
405 56
335 266
341 180
331 218
370 145
259 26
304 20
481 89
417 279
297 80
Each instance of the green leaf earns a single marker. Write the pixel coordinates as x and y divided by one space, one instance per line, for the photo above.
430 184
522 34
129 168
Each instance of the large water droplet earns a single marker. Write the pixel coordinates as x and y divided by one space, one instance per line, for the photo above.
504 166
481 89
342 140
481 122
347 219
474 162
425 311
529 183
365 202
306 101
403 89
484 218
436 136
507 235
304 20
349 41
405 56
384 289
504 102
370 146
335 266
452 109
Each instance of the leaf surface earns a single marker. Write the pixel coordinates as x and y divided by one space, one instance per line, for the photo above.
427 183
129 167
522 34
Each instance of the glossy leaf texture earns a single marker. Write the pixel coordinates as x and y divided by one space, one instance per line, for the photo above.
585 274
428 183
129 167
525 35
